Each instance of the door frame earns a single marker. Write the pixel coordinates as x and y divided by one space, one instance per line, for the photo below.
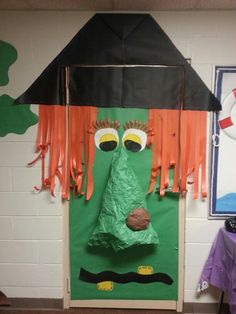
142 304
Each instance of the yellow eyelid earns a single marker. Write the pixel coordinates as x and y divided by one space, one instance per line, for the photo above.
132 137
108 137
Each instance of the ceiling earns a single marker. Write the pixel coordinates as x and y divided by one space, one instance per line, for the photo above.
117 5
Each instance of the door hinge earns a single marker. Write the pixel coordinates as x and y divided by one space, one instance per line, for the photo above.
68 284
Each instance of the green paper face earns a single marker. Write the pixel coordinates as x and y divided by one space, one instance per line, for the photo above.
84 217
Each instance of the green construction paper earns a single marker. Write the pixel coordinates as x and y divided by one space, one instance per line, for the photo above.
84 217
8 55
15 118
122 195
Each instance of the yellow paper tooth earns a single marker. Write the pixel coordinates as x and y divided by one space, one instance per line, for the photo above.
105 286
145 270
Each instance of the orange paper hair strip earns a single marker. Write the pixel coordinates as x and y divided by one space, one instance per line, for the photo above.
165 157
154 125
178 141
185 149
76 119
91 114
175 148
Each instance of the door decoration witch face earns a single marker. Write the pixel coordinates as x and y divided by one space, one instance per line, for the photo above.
128 63
125 116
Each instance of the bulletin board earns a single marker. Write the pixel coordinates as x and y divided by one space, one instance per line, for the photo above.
222 184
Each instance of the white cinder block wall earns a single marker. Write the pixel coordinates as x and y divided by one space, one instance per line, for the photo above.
31 224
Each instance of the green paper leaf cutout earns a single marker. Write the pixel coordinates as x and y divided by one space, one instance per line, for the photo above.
8 56
15 118
122 194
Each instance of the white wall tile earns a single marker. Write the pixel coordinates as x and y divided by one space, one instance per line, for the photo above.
192 276
18 252
30 275
55 293
205 71
49 34
203 24
21 292
196 254
196 208
203 48
211 295
49 276
73 25
18 204
50 252
15 154
5 179
25 178
37 228
182 44
48 205
30 203
202 231
9 274
6 228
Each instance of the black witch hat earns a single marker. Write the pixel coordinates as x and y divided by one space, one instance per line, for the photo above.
121 60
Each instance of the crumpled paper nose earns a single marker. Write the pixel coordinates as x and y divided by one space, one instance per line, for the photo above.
122 196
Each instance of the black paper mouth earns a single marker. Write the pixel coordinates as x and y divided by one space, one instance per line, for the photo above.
124 278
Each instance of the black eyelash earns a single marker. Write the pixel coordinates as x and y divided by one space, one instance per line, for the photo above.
135 124
106 123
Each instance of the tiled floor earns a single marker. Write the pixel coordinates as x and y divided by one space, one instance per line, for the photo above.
90 311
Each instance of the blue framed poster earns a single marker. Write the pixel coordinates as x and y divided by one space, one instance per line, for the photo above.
223 153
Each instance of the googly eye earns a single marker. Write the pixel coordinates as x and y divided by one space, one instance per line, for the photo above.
134 140
106 139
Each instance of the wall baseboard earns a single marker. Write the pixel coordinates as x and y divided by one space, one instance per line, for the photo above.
35 303
30 305
205 308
